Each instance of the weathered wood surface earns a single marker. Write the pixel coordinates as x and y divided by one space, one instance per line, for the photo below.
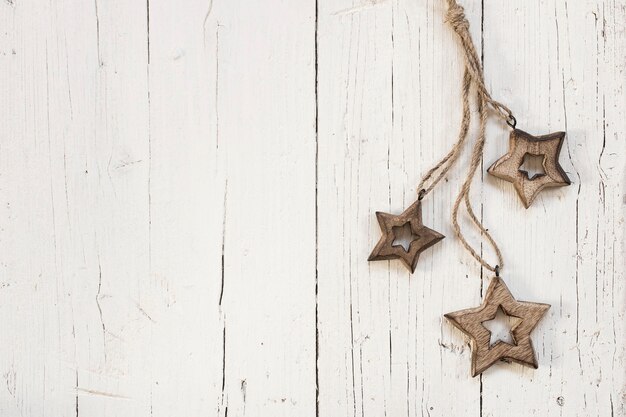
188 195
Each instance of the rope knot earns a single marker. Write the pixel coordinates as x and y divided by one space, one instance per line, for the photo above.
456 17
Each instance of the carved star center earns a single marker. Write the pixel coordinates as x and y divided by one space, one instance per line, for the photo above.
404 236
487 344
501 328
532 166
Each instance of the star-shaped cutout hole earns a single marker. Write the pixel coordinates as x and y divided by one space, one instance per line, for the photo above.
471 322
420 237
532 166
521 144
404 236
501 327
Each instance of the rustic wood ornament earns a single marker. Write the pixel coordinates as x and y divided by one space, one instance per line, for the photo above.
527 315
470 322
522 144
422 237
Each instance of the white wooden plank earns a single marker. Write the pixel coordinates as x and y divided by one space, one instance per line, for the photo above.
560 66
75 231
186 192
232 97
129 305
390 82
163 220
367 150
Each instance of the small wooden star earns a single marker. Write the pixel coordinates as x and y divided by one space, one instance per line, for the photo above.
522 144
422 237
470 322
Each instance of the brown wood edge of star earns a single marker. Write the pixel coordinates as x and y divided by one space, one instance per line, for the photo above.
374 256
542 138
433 242
412 215
511 174
493 355
495 358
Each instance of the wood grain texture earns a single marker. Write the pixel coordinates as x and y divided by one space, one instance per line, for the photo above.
509 166
421 237
187 192
471 320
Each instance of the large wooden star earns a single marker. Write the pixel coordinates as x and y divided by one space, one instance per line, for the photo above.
422 237
470 322
522 144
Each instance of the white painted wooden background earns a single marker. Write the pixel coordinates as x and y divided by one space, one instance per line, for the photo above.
187 205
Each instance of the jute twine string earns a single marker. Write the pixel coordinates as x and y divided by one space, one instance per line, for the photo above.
477 152
456 18
449 160
473 75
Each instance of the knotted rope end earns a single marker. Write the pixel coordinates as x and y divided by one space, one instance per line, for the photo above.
455 16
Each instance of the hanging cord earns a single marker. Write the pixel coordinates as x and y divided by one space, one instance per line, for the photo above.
456 18
477 152
473 72
446 163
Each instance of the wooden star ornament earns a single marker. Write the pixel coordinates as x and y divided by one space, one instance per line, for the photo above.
522 144
421 236
471 321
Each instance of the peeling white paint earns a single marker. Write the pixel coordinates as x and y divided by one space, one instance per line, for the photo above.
187 195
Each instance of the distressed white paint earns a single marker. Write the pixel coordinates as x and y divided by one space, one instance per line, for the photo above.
186 218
